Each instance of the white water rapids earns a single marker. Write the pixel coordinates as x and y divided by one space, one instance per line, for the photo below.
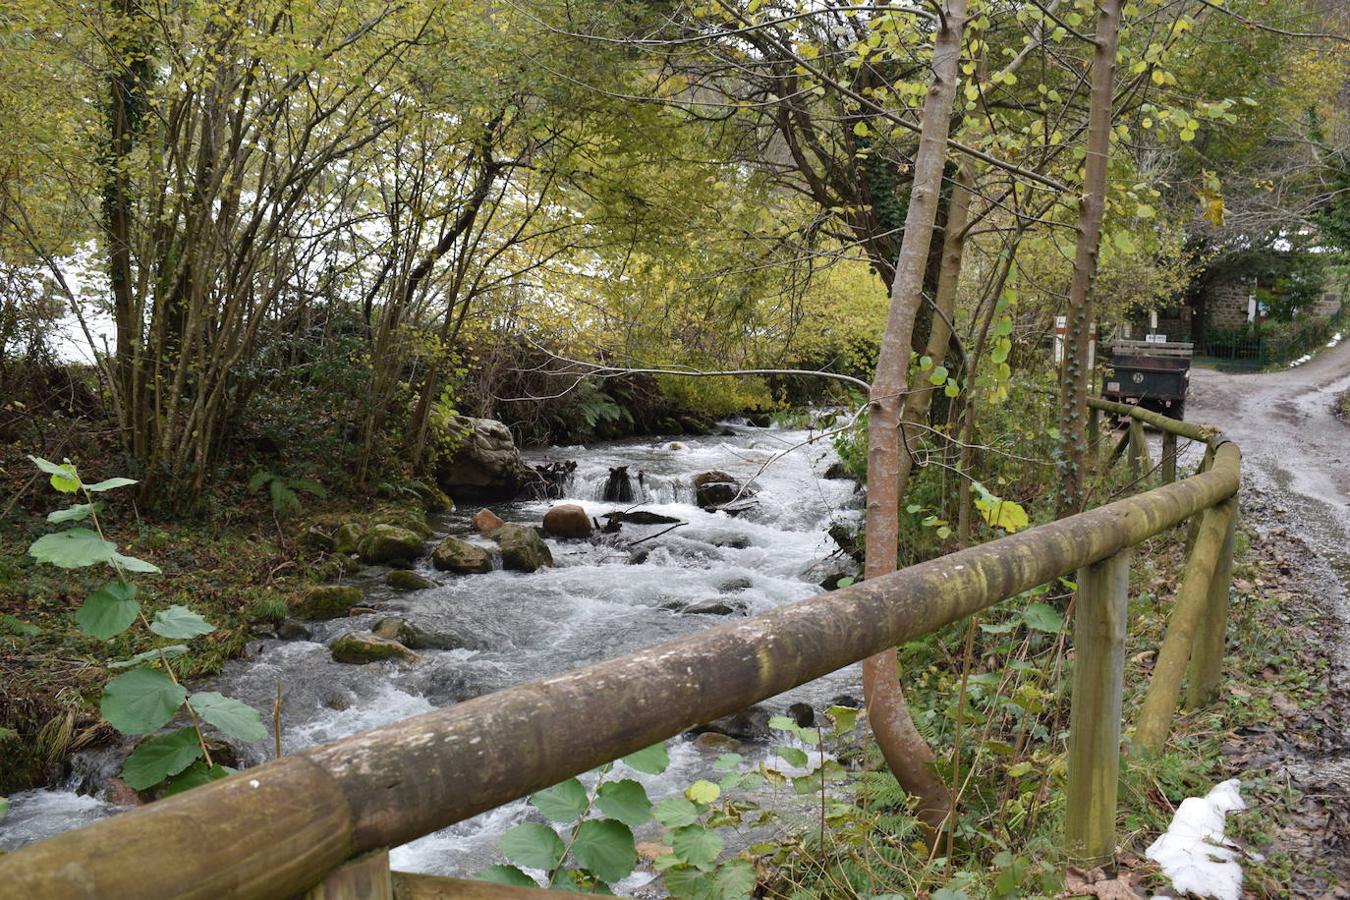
593 605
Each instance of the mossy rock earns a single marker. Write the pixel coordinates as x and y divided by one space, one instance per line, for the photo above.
455 555
523 550
403 580
316 538
389 543
358 647
348 536
327 601
409 635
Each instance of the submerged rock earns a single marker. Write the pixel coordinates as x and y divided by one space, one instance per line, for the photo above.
389 543
485 520
403 580
712 742
523 550
413 636
455 555
485 464
715 488
802 714
291 630
750 724
359 647
838 471
567 520
327 601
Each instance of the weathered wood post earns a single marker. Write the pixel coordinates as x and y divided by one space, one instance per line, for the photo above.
1094 719
1207 654
1135 432
1094 428
1160 703
364 878
1169 457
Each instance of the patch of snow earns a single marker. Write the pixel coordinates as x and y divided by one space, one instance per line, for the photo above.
1193 852
1335 339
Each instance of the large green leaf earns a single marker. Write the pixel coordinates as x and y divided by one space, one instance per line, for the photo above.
196 775
132 564
141 701
109 484
1043 617
696 845
169 652
64 478
653 760
71 513
159 757
73 548
673 812
605 848
179 622
533 845
625 800
108 611
234 718
506 875
563 803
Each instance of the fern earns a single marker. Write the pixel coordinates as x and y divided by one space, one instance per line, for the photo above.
283 490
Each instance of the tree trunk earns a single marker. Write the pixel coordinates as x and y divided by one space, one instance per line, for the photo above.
906 752
1074 373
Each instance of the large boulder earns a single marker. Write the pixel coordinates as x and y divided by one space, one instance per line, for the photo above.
403 580
485 520
715 488
348 536
455 555
485 463
363 647
523 550
413 636
327 601
567 520
383 544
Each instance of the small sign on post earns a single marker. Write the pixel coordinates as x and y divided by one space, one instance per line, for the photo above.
1061 325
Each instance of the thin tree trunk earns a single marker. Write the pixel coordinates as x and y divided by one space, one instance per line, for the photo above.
906 752
1074 374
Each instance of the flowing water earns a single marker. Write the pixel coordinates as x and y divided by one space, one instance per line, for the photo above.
597 602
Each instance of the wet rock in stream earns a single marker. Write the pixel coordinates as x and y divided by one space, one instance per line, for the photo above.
455 555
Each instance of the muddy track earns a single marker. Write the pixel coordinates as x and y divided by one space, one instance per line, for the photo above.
1296 500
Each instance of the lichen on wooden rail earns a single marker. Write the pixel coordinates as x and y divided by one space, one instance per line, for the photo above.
277 829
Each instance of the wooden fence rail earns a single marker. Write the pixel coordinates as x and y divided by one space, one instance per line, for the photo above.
311 824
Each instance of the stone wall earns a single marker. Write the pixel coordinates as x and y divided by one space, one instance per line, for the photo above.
1328 305
1226 305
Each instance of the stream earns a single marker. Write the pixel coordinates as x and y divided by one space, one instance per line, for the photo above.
603 598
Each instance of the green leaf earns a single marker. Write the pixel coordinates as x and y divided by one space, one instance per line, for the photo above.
506 875
108 611
846 581
625 800
696 845
533 846
1043 617
233 717
845 718
939 375
196 775
179 622
258 479
64 478
735 880
141 701
109 484
688 883
653 760
564 802
673 812
170 652
18 626
132 564
74 548
159 757
605 848
71 513
784 723
702 791
728 761
793 756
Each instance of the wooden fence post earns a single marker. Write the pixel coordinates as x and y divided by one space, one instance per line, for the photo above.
1207 654
1094 428
1094 718
363 878
1169 457
1160 703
